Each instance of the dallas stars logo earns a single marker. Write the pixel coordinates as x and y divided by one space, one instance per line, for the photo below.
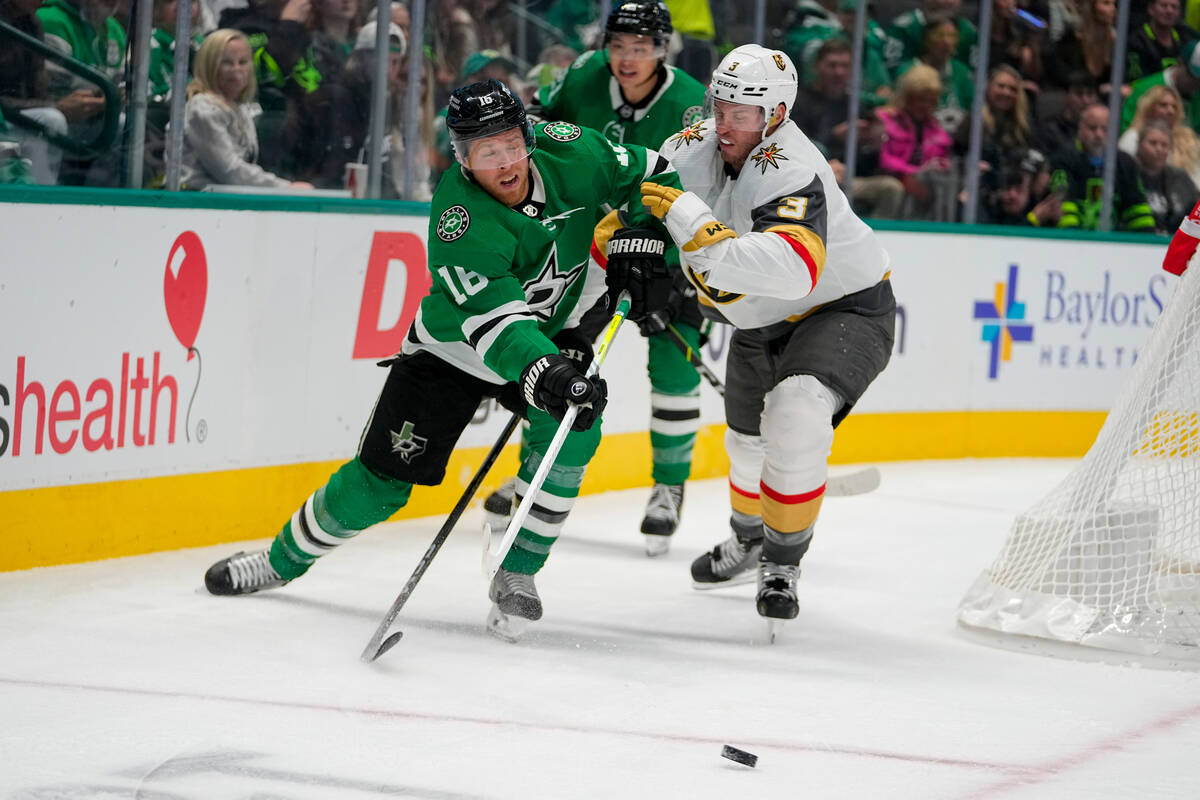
408 444
769 156
689 135
562 131
546 291
453 223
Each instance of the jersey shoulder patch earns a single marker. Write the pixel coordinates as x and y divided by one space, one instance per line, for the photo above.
768 156
562 131
453 223
694 132
692 115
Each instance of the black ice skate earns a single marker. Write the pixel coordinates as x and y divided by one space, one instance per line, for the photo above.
242 573
515 603
662 517
777 594
730 563
498 506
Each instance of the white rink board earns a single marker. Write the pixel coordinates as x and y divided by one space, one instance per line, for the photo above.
1080 349
277 381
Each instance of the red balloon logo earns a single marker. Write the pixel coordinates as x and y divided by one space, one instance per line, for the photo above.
185 285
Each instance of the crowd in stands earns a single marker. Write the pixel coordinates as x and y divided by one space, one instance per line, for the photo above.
279 94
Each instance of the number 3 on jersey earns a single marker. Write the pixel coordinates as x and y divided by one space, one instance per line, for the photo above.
793 208
463 283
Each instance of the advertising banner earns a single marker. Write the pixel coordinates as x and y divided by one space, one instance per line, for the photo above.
139 342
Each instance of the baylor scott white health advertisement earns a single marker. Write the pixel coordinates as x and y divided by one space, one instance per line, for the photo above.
1013 323
138 342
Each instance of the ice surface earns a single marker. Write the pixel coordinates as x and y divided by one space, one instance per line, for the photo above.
124 679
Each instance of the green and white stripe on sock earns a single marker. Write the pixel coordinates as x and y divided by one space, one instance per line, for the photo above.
674 421
354 499
551 505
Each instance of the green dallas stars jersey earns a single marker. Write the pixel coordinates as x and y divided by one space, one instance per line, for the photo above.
578 96
507 279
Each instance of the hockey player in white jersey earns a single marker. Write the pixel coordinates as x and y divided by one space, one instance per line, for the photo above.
773 248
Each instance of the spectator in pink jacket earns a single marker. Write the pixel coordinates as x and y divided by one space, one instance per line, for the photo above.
915 146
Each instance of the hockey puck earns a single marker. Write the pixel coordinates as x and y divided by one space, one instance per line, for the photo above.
740 756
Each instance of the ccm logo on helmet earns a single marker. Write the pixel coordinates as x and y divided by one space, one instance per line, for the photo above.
655 246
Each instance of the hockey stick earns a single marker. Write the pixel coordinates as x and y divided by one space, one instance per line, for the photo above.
493 558
694 359
844 484
378 645
858 481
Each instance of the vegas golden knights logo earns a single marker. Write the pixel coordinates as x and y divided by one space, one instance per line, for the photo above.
707 294
779 63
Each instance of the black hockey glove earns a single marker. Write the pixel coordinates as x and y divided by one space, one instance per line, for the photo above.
636 265
573 344
551 382
657 321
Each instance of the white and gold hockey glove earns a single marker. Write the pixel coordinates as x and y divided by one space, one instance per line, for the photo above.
689 220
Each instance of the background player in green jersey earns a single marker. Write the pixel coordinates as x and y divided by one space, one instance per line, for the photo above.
627 92
511 227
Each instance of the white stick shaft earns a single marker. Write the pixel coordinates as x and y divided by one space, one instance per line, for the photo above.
494 558
539 479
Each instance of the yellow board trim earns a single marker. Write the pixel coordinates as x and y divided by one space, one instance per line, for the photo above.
88 522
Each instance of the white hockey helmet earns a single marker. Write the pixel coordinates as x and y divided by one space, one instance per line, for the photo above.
756 76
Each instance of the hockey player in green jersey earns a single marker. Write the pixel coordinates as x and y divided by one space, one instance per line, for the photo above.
510 231
627 92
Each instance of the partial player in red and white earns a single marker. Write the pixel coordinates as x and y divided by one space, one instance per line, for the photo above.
773 248
1183 243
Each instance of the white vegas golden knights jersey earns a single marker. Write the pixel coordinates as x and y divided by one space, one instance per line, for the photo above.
798 244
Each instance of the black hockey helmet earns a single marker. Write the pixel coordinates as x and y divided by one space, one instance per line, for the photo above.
641 17
483 109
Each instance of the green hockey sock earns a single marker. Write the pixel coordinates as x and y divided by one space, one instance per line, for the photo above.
354 499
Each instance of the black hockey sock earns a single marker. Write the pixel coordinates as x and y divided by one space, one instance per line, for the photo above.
747 528
785 548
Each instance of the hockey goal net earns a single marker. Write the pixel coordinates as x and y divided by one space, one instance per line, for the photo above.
1110 558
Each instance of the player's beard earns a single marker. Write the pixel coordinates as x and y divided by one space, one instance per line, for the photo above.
509 188
736 154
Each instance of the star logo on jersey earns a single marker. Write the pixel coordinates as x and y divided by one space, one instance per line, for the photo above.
692 115
407 443
547 290
769 156
453 223
561 131
693 133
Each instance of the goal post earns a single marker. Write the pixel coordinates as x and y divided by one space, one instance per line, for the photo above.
1110 558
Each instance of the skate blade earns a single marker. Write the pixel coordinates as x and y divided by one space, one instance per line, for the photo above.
741 579
496 522
657 545
505 627
774 626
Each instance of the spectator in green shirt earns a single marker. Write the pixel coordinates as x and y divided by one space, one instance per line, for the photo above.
162 47
939 44
87 31
906 33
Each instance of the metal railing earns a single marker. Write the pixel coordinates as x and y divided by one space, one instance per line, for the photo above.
107 133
